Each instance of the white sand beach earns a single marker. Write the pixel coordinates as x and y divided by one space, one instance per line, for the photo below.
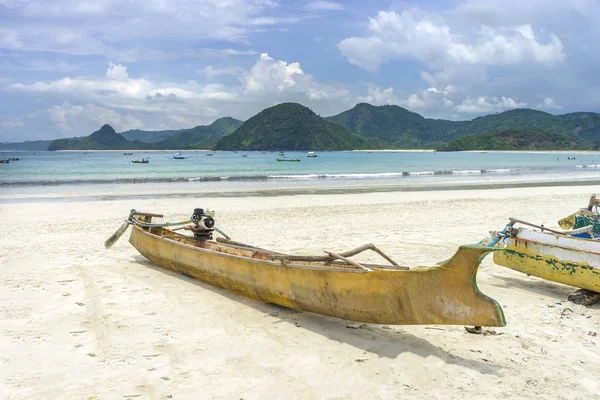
81 322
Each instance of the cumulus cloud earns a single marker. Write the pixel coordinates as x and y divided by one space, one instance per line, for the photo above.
492 55
269 75
548 104
415 34
65 120
485 104
168 105
117 72
79 120
320 5
76 27
214 72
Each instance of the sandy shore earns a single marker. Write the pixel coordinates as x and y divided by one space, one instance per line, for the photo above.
81 322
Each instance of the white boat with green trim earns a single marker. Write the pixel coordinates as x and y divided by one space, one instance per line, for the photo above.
571 257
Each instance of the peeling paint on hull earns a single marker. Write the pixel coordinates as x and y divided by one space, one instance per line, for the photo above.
571 261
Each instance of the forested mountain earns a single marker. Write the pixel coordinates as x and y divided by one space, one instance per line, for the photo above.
396 126
28 145
290 126
200 137
517 139
106 138
149 136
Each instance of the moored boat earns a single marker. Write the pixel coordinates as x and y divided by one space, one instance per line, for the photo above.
571 257
179 156
311 154
288 160
332 284
142 161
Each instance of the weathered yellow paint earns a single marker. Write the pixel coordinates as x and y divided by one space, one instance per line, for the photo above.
520 256
445 294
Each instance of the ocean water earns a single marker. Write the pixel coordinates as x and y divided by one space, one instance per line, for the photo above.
50 174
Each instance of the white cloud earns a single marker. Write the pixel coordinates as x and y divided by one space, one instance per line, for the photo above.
320 5
234 52
124 30
267 75
65 120
432 102
211 72
117 72
548 104
485 104
17 64
168 105
78 120
415 34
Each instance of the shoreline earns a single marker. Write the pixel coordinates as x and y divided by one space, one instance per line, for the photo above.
320 151
390 189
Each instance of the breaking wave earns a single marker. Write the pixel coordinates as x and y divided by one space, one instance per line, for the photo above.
374 175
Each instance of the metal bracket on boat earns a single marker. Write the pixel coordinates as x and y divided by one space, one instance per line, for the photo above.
542 227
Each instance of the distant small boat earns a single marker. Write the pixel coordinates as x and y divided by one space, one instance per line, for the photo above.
281 154
127 154
178 156
244 155
142 161
4 161
288 159
311 154
209 154
13 158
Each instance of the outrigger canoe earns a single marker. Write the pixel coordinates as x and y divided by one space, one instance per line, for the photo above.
332 285
571 257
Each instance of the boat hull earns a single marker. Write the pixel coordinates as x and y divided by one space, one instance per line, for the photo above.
568 260
447 294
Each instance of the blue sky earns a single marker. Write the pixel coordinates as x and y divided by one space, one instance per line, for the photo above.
69 66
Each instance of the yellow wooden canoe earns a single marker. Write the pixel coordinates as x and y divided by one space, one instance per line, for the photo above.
444 294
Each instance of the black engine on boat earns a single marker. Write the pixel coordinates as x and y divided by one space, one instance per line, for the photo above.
204 224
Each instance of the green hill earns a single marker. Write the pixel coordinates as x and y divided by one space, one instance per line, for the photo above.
516 139
34 145
200 137
393 126
513 119
584 125
396 126
290 126
104 139
148 136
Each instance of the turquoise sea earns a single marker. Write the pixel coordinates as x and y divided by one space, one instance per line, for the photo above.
48 174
